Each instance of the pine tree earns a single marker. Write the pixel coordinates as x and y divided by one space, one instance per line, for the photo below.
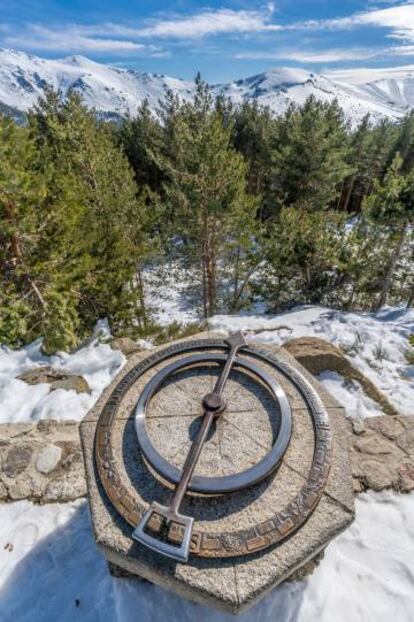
74 227
207 193
24 218
142 140
254 136
309 157
305 257
371 151
391 209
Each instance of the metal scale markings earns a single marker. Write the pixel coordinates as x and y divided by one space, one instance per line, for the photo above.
164 528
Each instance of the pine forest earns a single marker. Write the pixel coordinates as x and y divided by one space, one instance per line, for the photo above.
252 208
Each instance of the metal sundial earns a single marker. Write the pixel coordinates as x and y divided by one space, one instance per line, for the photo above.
166 528
213 405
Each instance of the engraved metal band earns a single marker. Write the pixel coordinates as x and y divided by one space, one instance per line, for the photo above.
224 544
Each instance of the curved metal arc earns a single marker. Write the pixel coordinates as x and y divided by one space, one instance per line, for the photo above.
228 483
244 541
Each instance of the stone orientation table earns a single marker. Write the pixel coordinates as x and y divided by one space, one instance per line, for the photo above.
225 570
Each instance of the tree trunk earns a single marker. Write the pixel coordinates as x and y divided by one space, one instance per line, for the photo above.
141 297
204 261
350 187
392 264
236 278
204 278
410 300
16 252
211 277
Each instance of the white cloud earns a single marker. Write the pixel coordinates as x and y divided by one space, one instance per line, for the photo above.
317 56
398 19
328 55
211 22
72 39
369 74
113 37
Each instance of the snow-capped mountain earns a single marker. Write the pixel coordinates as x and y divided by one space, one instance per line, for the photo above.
109 90
279 87
114 92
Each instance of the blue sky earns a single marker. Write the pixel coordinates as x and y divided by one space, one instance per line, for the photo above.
224 39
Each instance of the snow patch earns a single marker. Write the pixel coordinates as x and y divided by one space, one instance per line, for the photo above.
374 343
20 402
50 569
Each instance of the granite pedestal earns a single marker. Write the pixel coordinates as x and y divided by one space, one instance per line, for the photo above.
242 436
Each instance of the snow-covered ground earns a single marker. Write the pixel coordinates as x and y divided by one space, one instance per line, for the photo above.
376 344
20 402
51 570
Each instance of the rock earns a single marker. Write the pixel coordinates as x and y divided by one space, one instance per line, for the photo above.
383 457
3 492
389 427
17 460
406 473
373 444
358 426
377 475
406 440
48 459
41 462
127 345
68 486
318 355
57 379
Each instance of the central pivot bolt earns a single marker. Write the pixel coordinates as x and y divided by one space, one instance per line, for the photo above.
213 402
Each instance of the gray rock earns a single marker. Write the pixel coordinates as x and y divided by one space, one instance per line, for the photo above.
383 457
358 426
318 355
17 460
48 459
41 462
57 379
127 345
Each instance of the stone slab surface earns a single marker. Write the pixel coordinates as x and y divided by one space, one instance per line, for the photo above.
233 584
382 453
41 461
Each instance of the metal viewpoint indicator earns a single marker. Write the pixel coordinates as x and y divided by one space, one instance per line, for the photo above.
165 528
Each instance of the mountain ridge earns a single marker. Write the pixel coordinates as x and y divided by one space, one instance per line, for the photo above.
115 92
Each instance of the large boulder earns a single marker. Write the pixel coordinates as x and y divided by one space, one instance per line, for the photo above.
318 355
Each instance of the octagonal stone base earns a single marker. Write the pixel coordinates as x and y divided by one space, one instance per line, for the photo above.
234 584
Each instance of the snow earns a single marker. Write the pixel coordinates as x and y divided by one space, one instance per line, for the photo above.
107 89
50 569
114 90
20 402
375 344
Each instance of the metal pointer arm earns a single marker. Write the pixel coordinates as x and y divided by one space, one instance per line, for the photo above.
213 405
